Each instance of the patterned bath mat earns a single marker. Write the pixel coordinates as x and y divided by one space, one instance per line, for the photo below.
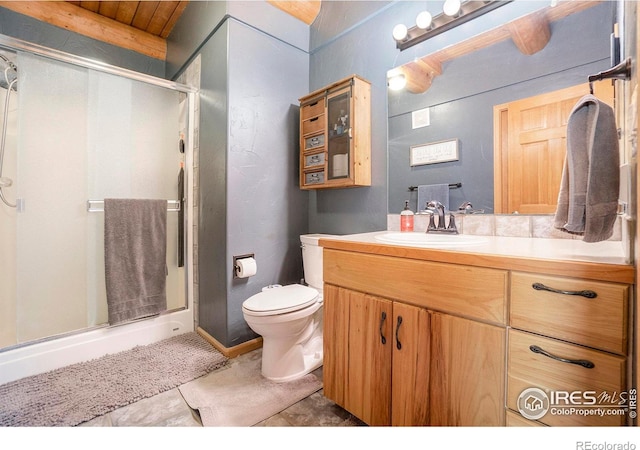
80 392
239 396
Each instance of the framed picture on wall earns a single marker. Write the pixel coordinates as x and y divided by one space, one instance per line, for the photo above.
435 152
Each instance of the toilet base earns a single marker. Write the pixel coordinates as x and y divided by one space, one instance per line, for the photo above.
296 362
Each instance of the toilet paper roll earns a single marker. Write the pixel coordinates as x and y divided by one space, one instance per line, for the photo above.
246 267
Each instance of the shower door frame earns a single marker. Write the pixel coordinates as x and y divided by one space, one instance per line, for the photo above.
41 355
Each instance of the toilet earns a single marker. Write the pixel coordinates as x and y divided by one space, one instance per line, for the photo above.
289 319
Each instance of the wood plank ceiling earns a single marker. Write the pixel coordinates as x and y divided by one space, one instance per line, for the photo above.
154 17
141 26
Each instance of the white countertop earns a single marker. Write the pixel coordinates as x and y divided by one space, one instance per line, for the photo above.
606 252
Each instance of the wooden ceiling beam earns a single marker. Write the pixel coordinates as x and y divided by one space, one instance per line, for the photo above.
530 33
79 20
307 11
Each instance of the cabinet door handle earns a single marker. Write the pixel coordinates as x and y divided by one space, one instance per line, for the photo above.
382 319
585 293
398 344
580 362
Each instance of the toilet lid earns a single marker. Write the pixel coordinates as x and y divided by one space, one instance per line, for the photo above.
281 300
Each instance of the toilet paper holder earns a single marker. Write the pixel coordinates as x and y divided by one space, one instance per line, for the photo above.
236 268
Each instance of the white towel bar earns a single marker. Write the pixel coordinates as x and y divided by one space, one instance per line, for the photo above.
98 205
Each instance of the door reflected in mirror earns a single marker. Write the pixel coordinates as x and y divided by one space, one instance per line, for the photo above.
530 148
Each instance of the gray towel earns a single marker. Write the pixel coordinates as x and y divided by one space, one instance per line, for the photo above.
590 185
135 249
428 192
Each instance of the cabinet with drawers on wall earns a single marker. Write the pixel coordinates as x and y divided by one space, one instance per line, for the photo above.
335 135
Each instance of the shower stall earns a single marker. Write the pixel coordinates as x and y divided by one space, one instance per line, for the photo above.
74 132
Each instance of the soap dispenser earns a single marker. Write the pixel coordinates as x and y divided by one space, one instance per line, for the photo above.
406 218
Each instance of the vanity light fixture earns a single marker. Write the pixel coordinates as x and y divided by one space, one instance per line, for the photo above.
397 82
451 7
455 12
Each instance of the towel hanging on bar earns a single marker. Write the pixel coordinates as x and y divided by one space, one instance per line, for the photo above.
135 254
98 205
429 192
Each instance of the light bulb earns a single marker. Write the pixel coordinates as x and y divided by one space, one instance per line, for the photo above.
451 7
397 82
400 32
423 20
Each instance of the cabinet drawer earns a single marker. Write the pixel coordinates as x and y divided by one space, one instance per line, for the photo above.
313 109
312 126
314 178
314 142
527 369
599 322
474 292
314 160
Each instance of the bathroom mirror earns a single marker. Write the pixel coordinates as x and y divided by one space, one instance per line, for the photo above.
459 105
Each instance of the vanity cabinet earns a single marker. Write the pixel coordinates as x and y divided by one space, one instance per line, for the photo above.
569 335
377 364
393 355
476 331
335 135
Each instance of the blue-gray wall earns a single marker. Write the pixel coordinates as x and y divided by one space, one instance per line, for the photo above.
349 38
254 70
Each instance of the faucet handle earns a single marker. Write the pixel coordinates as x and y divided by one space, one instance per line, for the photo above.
432 223
452 224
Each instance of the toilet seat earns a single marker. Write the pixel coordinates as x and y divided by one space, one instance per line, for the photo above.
280 300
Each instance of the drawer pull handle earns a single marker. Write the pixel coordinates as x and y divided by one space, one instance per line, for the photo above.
580 362
382 320
398 344
585 293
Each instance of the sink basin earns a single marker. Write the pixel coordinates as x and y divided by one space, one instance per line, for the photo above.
413 239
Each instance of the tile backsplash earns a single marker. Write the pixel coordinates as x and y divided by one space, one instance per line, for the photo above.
513 225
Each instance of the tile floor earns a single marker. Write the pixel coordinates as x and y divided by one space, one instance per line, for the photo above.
169 409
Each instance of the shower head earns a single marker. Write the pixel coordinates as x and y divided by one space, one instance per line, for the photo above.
8 73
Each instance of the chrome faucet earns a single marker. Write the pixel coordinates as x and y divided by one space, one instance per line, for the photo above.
436 207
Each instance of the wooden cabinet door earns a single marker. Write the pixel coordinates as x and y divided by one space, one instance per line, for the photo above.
357 343
467 372
335 343
411 360
368 394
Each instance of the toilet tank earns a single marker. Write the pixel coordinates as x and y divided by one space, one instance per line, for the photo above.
312 259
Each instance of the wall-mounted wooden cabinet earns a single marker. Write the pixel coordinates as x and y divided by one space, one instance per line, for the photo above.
335 135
